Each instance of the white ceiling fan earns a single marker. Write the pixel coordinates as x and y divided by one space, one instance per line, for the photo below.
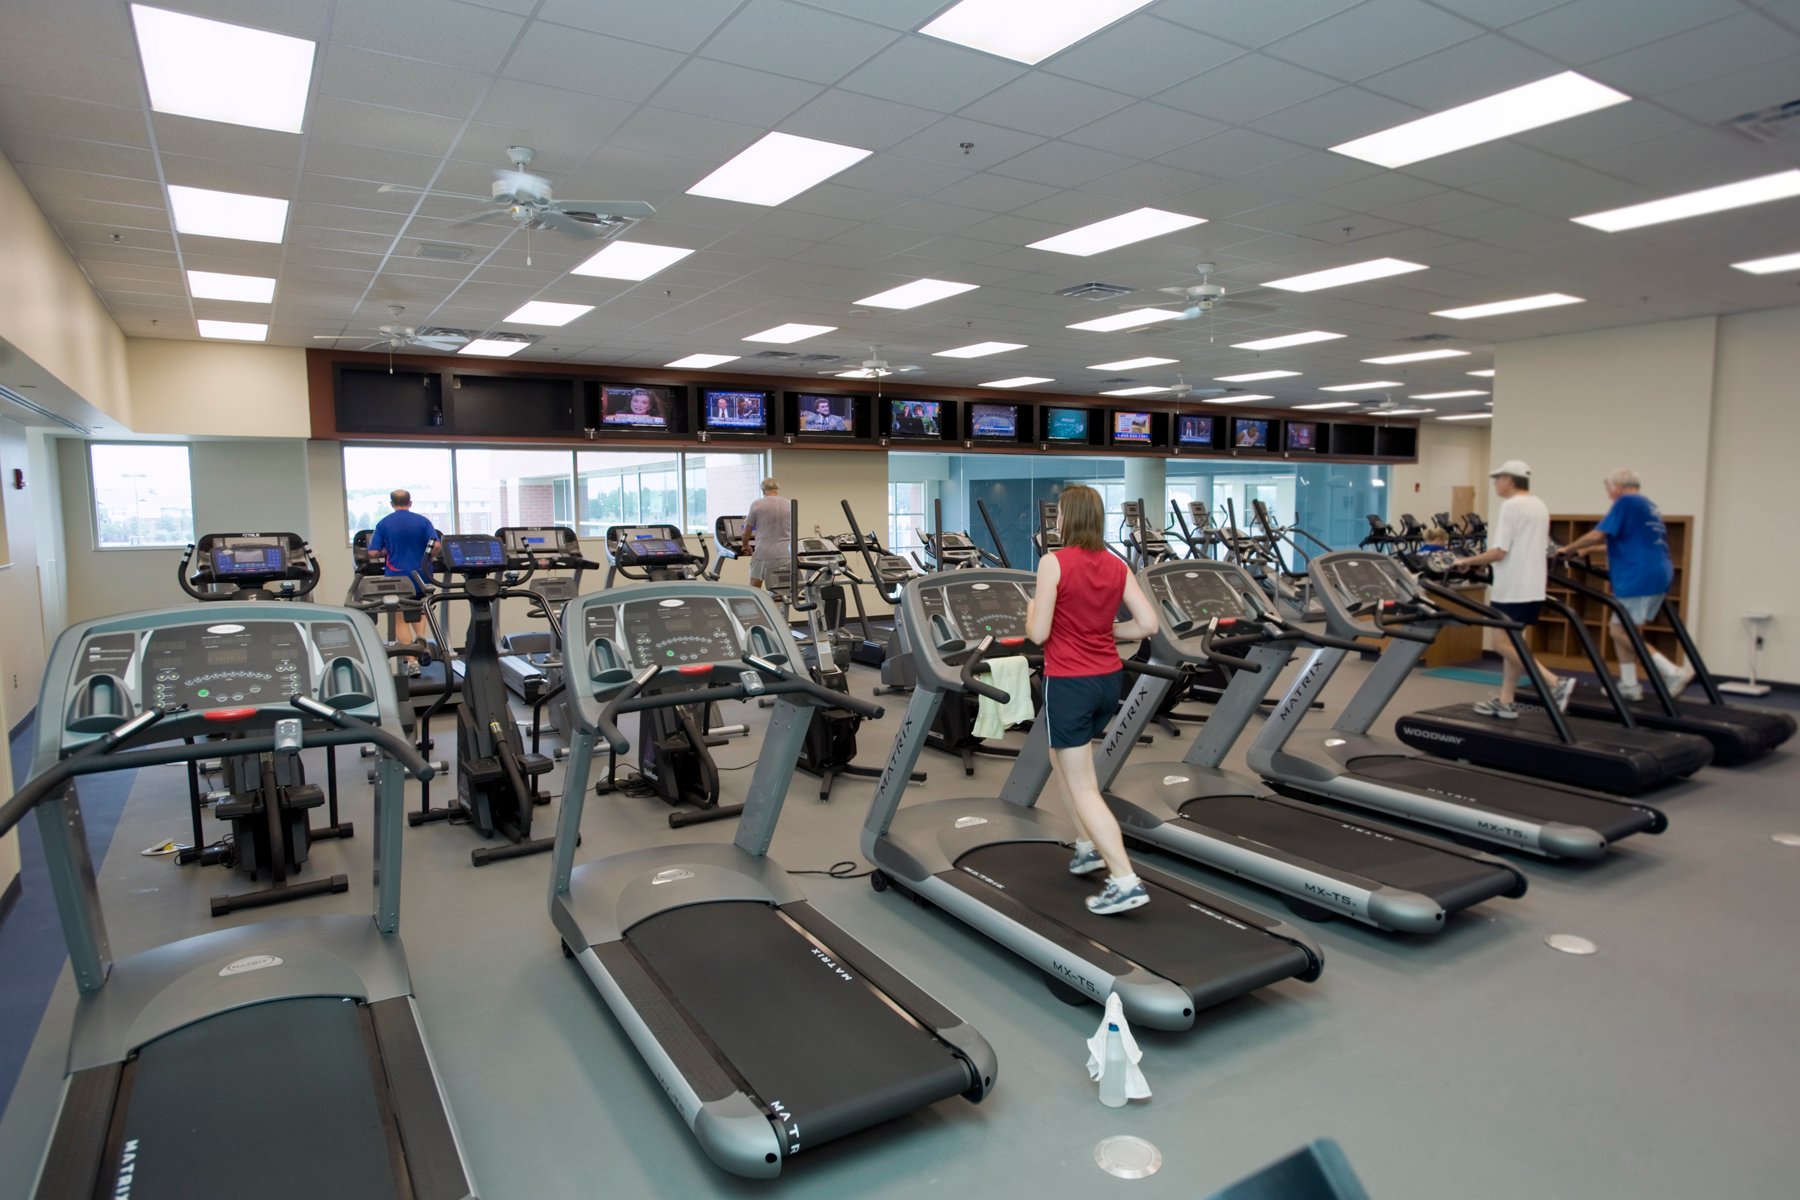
395 336
1203 297
1182 389
873 367
527 200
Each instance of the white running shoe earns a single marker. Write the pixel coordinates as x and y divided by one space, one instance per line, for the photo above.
1678 682
1494 707
1565 688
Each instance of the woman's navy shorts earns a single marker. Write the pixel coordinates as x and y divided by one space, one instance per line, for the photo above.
1080 707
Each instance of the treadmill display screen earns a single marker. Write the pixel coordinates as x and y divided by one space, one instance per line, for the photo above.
1201 595
1366 581
248 560
226 665
674 632
979 609
651 548
463 553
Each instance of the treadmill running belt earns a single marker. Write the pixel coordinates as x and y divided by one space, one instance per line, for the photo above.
1503 794
280 1097
1675 754
1213 956
1738 733
1356 849
801 1029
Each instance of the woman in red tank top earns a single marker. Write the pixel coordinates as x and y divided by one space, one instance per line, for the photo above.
1079 590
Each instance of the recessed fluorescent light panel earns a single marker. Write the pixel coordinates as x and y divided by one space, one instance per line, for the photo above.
1445 395
1780 186
1127 320
211 285
194 67
979 350
1122 230
1394 360
1130 364
1487 374
1501 115
1288 339
1253 376
1468 417
777 168
791 332
234 331
1406 412
1244 399
1375 268
630 260
493 348
1019 381
546 312
702 361
1374 385
206 213
1135 391
864 373
1326 404
1769 266
1027 31
1500 308
920 291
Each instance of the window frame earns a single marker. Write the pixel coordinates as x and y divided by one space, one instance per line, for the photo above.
94 498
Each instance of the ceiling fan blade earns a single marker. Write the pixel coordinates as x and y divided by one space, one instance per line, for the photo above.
478 218
1173 291
404 190
333 337
378 342
635 209
561 222
439 343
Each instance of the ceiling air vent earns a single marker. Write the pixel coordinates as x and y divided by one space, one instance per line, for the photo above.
1119 379
441 331
1096 291
1427 337
776 354
820 358
441 253
1771 124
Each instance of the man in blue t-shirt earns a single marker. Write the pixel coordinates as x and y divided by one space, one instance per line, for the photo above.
1637 558
407 538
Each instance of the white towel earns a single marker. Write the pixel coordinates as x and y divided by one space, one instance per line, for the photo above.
1136 1088
1012 676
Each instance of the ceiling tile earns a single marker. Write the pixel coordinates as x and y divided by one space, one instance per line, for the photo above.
1232 153
1246 88
1145 131
1729 96
1309 173
682 26
993 193
1584 30
435 30
1142 55
34 67
901 176
377 125
1376 36
590 62
700 139
1467 71
1063 164
1721 48
1338 116
930 73
237 143
1250 25
1147 183
370 78
895 14
99 158
1045 104
1497 14
762 35
850 118
33 112
967 144
708 88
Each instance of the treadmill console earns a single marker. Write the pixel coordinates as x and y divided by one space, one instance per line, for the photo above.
646 546
816 552
972 605
544 544
729 531
1203 591
1352 584
472 553
686 627
248 560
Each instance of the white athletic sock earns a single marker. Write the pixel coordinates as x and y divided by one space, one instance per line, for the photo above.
1125 882
1083 847
1664 665
1628 674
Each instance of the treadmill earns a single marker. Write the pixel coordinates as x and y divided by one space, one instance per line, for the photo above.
311 1020
1618 756
1325 863
1000 864
770 1029
1738 734
1368 595
531 663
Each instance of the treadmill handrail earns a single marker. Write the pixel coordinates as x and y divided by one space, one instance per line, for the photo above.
1211 643
1639 648
1493 618
971 664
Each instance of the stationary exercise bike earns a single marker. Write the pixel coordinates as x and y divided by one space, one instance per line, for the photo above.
496 777
265 797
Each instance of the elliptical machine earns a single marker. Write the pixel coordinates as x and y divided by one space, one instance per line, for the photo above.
496 778
532 662
889 573
265 797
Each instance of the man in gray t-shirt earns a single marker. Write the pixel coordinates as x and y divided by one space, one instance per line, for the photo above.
767 521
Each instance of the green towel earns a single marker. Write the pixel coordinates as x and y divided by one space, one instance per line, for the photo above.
1012 676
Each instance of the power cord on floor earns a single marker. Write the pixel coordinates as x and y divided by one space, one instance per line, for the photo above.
845 869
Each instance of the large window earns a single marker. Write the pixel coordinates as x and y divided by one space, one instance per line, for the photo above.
143 495
479 490
907 521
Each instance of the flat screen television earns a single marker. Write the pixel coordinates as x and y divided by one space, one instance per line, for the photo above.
998 422
827 416
1065 425
1193 431
1131 428
733 410
1303 436
915 419
1250 433
641 407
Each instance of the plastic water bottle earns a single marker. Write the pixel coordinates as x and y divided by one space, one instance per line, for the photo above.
1113 1068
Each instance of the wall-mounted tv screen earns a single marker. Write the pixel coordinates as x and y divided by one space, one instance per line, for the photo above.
1065 425
635 407
998 421
914 419
734 411
833 416
1250 433
1193 431
1132 428
1303 436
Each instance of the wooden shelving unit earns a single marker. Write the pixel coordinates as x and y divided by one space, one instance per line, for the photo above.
1557 645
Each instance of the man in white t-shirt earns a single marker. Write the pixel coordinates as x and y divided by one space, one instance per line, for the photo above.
1518 548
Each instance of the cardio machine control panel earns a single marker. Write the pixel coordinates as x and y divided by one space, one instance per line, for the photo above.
948 614
240 657
1353 585
1192 594
472 553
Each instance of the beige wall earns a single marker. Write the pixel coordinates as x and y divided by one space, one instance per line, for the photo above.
217 389
821 480
1750 560
1452 454
49 314
22 645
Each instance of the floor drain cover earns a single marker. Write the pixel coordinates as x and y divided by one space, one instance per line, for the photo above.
1127 1157
1568 943
1788 839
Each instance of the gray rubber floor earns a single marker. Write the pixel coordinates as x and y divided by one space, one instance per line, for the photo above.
1476 1064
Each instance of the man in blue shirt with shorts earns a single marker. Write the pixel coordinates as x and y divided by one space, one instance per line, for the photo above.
1637 558
407 538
